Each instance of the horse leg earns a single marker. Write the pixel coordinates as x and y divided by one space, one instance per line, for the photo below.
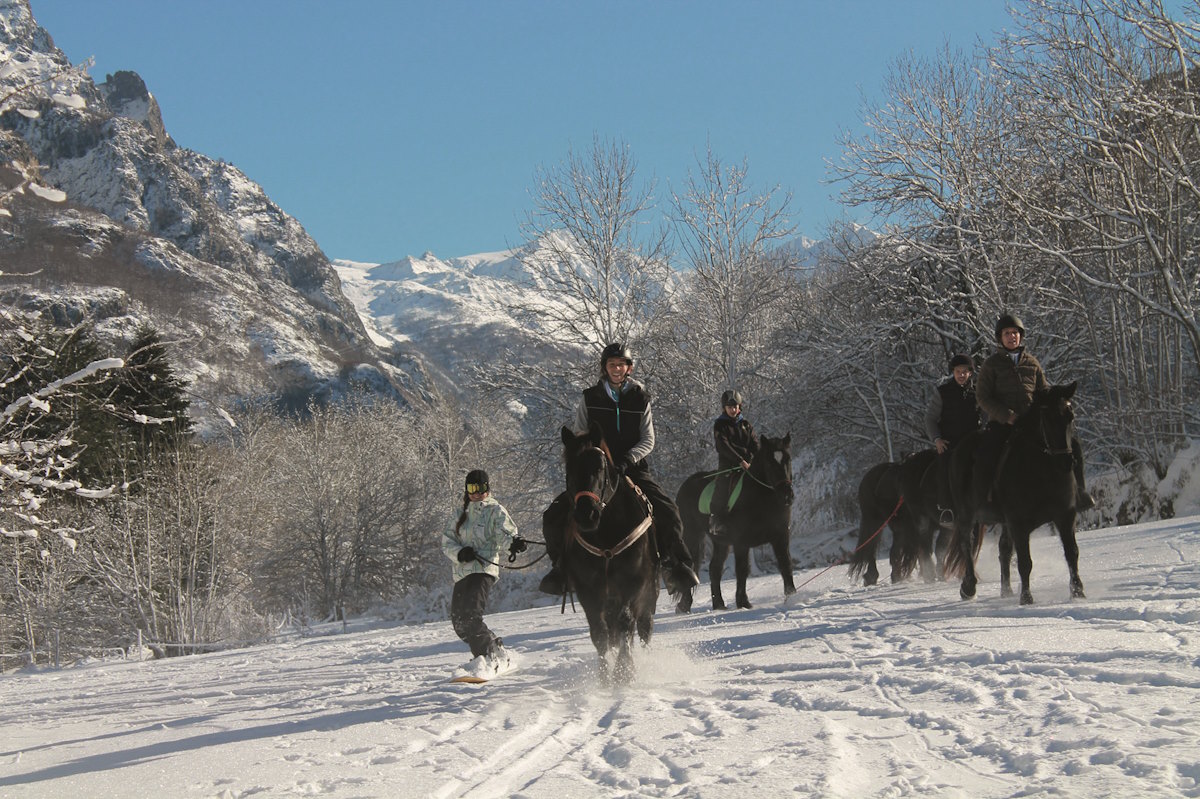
1006 552
1066 532
967 546
598 630
940 548
623 634
741 566
695 529
1020 540
716 567
783 556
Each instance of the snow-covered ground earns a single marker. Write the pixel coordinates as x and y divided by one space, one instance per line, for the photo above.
849 692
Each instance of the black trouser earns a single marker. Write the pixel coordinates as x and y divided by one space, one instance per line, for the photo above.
668 526
466 612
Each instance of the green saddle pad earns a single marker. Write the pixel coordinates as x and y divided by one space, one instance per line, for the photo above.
706 495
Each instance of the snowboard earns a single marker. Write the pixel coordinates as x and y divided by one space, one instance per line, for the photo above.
480 669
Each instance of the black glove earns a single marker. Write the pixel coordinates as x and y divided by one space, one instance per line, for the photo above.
466 554
517 546
623 467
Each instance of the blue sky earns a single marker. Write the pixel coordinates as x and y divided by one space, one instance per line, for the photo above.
389 127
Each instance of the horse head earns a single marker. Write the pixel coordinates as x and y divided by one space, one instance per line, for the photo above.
774 462
592 479
1050 420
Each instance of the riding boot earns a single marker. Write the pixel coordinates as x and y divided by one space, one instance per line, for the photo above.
679 576
554 583
554 522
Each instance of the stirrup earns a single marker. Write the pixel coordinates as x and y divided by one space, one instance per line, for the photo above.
946 518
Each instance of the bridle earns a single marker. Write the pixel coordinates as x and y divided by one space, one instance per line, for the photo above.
601 501
1044 437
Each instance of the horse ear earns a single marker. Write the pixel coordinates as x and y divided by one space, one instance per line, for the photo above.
567 435
1069 389
787 440
595 432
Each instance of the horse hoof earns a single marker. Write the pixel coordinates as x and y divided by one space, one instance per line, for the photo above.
1026 598
744 604
966 592
1006 591
719 604
1077 591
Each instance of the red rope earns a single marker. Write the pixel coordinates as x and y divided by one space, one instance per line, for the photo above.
842 561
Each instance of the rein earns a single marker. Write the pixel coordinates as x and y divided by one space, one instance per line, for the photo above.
842 560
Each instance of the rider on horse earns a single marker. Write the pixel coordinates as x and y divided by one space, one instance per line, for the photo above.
1007 382
736 444
621 406
951 415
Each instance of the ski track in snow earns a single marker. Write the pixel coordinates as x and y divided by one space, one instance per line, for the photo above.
845 691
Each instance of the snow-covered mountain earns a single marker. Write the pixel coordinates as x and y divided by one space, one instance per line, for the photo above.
454 311
151 231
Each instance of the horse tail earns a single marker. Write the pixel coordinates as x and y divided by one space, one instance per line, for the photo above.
956 563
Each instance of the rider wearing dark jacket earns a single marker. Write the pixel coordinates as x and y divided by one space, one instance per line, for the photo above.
1007 381
736 444
951 415
621 406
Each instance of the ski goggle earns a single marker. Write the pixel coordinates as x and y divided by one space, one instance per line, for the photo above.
477 488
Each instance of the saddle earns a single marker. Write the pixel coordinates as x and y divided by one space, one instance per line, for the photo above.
706 494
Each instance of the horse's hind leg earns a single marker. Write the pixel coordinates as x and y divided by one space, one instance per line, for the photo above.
715 568
1006 552
741 565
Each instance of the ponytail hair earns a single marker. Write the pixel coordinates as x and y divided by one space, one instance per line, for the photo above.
462 517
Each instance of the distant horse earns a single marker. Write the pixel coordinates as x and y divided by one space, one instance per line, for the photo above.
761 514
609 553
1034 485
914 522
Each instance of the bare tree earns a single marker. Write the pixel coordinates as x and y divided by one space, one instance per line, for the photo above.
1111 155
590 246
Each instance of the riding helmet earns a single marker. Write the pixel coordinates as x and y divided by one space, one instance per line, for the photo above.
616 350
478 479
731 397
1008 320
961 360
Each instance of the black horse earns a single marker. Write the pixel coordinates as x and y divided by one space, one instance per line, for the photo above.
1034 485
762 514
609 554
914 522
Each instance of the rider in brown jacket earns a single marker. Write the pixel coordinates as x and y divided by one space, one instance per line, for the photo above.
1004 391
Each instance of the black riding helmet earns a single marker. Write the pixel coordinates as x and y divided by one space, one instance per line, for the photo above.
1008 320
731 397
616 350
961 360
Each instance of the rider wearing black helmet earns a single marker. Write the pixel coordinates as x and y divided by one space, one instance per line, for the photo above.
1007 381
736 444
952 414
621 406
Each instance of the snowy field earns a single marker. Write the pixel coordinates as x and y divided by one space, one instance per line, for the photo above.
849 692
